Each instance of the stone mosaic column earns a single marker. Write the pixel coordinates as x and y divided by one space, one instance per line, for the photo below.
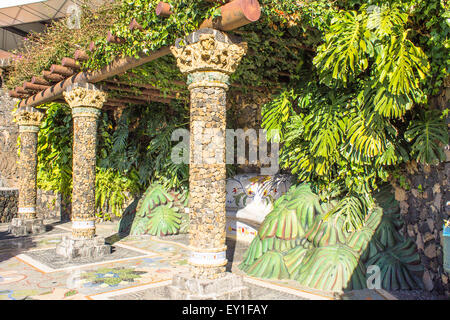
86 103
208 59
27 222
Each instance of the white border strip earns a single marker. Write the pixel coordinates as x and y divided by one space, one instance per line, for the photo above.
107 295
26 210
46 269
296 292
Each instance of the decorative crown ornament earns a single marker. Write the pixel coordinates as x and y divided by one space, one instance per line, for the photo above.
210 50
28 116
85 97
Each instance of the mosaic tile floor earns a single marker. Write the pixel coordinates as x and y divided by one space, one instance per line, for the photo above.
139 268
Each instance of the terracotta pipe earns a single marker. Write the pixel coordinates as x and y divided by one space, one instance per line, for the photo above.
234 14
39 80
14 94
118 66
163 9
70 63
52 77
114 39
20 90
80 55
135 25
34 86
246 11
64 71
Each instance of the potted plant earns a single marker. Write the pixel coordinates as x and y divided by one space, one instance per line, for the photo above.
446 234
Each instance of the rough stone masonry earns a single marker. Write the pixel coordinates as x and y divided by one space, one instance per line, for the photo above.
86 103
208 59
27 222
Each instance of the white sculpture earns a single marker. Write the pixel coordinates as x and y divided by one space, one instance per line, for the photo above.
252 195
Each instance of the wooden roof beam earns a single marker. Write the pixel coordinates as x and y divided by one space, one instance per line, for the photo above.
61 70
114 39
52 77
39 80
70 63
247 14
34 86
80 55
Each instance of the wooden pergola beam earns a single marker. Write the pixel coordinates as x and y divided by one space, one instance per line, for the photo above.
244 12
39 80
80 55
70 63
34 86
61 70
52 77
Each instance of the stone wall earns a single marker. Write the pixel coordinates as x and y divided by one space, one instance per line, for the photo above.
8 204
9 174
424 206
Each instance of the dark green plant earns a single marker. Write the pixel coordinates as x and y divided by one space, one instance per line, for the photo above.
333 250
159 213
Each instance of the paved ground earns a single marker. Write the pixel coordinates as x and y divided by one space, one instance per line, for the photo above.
139 268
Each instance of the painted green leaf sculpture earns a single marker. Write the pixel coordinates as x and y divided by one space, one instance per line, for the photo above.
330 268
269 265
329 245
164 220
398 266
159 212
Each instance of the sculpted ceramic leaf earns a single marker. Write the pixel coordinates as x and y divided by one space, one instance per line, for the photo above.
360 239
327 230
399 266
269 265
331 268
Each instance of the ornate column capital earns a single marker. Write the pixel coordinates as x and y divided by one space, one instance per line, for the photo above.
85 100
208 57
29 119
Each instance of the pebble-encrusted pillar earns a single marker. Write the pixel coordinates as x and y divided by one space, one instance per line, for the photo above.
86 103
29 120
208 59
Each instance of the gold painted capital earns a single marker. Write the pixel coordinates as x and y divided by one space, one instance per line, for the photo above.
83 97
29 117
209 54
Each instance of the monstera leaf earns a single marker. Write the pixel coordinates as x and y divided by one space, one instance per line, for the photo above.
140 226
292 214
387 232
331 268
282 223
164 220
160 212
353 209
398 265
306 203
269 265
359 240
154 196
327 230
259 247
294 258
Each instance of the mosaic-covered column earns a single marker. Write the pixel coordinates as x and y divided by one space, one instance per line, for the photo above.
86 103
29 120
208 59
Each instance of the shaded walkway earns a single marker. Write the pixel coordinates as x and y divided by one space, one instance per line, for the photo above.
139 269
